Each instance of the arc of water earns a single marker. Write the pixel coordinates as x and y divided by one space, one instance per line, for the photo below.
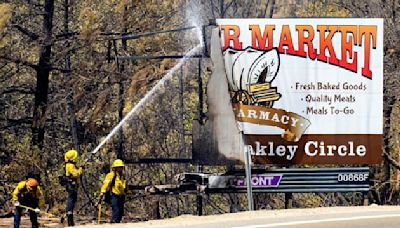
148 96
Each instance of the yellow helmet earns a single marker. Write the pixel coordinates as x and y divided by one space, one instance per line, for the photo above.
71 155
118 163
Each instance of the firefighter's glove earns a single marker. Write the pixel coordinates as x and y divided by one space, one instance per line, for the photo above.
16 203
37 210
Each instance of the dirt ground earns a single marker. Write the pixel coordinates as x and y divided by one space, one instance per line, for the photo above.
43 221
26 223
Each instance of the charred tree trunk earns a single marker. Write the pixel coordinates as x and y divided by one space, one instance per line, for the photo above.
42 77
266 9
120 150
200 112
182 149
70 101
386 147
221 8
121 89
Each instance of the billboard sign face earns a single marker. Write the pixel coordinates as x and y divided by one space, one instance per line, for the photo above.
306 91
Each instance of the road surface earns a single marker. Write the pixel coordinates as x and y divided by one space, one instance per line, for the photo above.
365 217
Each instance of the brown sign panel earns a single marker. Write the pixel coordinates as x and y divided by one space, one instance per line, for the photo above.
316 149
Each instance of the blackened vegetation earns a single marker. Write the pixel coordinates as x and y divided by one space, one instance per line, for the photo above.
61 88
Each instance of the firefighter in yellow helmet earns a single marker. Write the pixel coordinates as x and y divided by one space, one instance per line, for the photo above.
113 187
72 175
28 194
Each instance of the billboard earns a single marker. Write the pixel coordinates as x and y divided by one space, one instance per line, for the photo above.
306 91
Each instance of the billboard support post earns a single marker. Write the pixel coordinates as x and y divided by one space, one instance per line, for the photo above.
199 197
288 200
247 157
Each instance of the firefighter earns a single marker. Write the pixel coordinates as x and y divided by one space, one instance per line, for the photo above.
114 186
28 194
72 174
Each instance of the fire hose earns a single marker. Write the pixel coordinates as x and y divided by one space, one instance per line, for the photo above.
33 209
99 214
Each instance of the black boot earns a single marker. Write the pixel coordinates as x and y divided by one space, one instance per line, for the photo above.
70 219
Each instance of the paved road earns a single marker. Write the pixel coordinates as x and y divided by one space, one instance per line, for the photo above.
342 220
343 217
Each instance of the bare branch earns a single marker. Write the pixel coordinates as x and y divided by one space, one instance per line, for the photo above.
62 70
227 7
31 35
269 9
15 122
391 160
19 61
15 89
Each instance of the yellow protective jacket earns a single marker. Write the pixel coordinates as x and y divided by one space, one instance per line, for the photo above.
119 184
21 191
72 171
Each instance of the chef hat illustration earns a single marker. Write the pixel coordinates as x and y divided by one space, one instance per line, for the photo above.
250 66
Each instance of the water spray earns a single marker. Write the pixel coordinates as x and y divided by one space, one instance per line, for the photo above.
148 96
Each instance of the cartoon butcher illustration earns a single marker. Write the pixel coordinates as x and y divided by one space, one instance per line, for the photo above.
250 73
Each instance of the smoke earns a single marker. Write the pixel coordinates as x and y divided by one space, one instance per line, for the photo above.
222 119
195 17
